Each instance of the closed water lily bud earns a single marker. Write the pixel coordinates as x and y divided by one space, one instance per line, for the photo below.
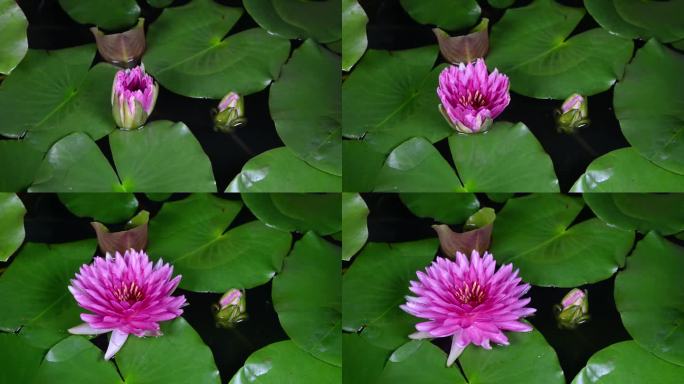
231 309
573 114
573 309
230 113
134 94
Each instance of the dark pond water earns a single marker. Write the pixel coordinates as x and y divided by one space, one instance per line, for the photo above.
48 221
391 221
391 28
51 28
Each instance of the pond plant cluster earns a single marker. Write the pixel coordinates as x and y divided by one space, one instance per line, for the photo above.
341 191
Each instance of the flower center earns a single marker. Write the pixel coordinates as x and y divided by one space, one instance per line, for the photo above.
471 293
130 293
475 100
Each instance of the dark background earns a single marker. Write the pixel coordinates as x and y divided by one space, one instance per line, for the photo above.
51 28
391 28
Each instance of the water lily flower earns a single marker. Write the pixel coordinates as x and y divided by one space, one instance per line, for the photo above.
134 94
230 113
471 97
573 309
573 114
127 294
231 309
469 301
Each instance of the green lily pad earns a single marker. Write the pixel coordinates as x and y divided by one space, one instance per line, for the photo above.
285 363
13 25
163 156
308 299
191 234
279 170
178 357
390 97
187 52
305 107
534 233
489 163
605 13
320 19
375 286
448 208
354 224
20 162
360 166
40 110
293 212
76 360
419 361
363 362
354 40
645 296
531 46
641 212
528 359
624 170
111 15
626 362
12 233
20 360
265 14
648 105
108 208
34 294
661 18
417 166
446 14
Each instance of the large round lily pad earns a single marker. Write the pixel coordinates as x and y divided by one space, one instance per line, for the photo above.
111 15
305 107
108 208
419 362
605 13
446 14
649 105
296 212
12 233
363 361
661 18
320 19
354 40
13 27
76 360
532 46
188 54
534 233
646 296
448 208
20 360
21 162
265 14
643 212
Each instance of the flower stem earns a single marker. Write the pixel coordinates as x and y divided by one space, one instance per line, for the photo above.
242 144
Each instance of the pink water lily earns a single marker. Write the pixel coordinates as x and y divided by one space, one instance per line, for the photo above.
127 294
469 301
471 98
134 94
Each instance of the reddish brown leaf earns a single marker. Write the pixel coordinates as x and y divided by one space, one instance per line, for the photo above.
111 242
463 49
123 49
451 242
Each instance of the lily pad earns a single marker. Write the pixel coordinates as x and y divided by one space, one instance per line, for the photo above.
641 212
188 54
375 286
531 46
354 224
20 360
105 207
624 170
605 13
308 299
178 357
626 362
305 107
111 15
320 19
265 14
191 234
391 97
30 292
12 233
279 170
448 208
41 110
534 233
361 166
363 362
419 361
446 14
285 363
644 295
661 18
13 25
489 163
20 162
354 40
528 359
296 212
648 105
76 360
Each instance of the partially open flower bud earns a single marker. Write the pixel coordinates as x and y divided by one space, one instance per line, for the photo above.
134 94
573 114
573 309
123 49
231 309
230 113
